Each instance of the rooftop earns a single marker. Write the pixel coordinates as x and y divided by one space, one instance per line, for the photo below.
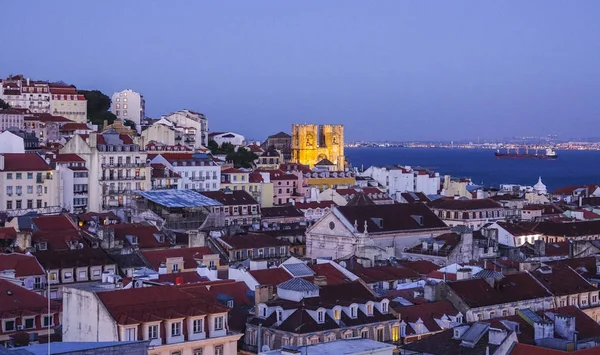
178 198
346 346
24 162
464 205
230 198
189 255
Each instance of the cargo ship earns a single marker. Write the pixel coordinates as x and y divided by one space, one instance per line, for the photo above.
549 154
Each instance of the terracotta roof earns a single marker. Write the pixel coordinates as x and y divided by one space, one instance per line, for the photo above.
68 158
550 249
414 197
252 241
270 276
546 209
561 280
423 267
189 255
444 243
280 135
332 275
314 205
383 273
231 198
187 277
569 190
255 178
46 117
428 313
588 214
11 112
125 138
515 229
69 258
512 288
392 217
281 212
586 267
254 148
567 229
137 305
16 301
54 223
8 233
233 171
146 234
74 126
24 162
464 205
24 265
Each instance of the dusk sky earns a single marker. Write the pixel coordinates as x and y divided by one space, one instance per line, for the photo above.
394 70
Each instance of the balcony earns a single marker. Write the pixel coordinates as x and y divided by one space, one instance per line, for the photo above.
80 192
198 178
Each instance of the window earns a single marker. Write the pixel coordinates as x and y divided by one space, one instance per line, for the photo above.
230 303
30 189
82 274
96 273
9 325
353 311
176 329
337 315
594 299
198 351
19 203
29 176
29 323
68 275
219 350
9 205
219 323
384 307
48 321
153 331
321 316
395 333
9 176
198 326
364 334
130 334
380 334
19 176
176 353
279 315
175 267
369 309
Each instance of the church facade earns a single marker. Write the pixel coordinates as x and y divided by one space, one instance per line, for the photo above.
313 143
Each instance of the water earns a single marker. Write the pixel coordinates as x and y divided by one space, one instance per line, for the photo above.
573 167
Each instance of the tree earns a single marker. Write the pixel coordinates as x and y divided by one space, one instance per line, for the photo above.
98 105
242 158
4 105
130 124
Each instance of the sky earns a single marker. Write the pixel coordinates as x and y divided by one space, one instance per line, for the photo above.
387 70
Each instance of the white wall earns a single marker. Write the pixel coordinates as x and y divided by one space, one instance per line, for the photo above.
135 110
85 318
11 143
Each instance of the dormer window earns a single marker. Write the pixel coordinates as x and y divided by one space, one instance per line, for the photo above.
369 309
279 315
321 316
384 307
337 314
42 246
175 329
353 311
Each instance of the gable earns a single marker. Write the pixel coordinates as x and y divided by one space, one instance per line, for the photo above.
342 228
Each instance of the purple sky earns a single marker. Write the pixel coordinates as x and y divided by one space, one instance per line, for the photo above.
386 70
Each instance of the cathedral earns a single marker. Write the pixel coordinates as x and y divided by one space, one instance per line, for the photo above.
312 144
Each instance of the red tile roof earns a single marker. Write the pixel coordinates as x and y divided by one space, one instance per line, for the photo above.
562 280
54 223
252 241
423 267
186 277
515 229
145 233
46 117
16 301
24 265
231 198
383 273
146 304
233 171
74 126
126 139
24 162
8 233
68 158
270 276
255 177
332 275
428 313
464 205
511 288
189 255
314 205
392 218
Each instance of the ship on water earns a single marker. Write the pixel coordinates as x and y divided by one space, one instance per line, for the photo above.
548 154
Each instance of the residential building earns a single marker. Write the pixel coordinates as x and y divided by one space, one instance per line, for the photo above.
503 297
383 277
470 213
324 180
280 141
399 179
235 139
129 105
257 184
66 102
197 171
286 187
513 204
74 182
561 231
163 178
11 118
536 213
68 130
12 142
419 321
27 183
373 232
314 211
192 126
239 207
509 234
181 259
22 310
254 246
173 319
343 346
161 131
312 143
308 313
342 196
270 159
45 126
20 92
24 269
568 287
117 165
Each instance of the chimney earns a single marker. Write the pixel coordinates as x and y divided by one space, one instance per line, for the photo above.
430 292
262 294
540 247
464 274
27 81
320 280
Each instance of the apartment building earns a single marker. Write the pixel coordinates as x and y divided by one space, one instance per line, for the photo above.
27 183
22 92
74 182
66 102
129 105
11 118
45 126
197 171
191 128
117 164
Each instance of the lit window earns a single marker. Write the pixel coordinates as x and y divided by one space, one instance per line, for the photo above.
369 309
337 315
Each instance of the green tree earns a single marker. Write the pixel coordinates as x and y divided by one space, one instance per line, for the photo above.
4 105
130 124
213 147
98 105
242 158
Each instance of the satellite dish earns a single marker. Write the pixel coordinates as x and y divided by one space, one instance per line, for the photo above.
265 348
343 264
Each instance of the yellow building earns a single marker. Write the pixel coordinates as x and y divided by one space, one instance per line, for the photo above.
253 183
334 179
312 143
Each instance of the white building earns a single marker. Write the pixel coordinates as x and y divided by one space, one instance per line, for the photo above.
27 184
161 131
20 92
129 105
192 127
117 165
234 139
11 143
197 171
11 118
398 179
540 188
175 320
74 182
